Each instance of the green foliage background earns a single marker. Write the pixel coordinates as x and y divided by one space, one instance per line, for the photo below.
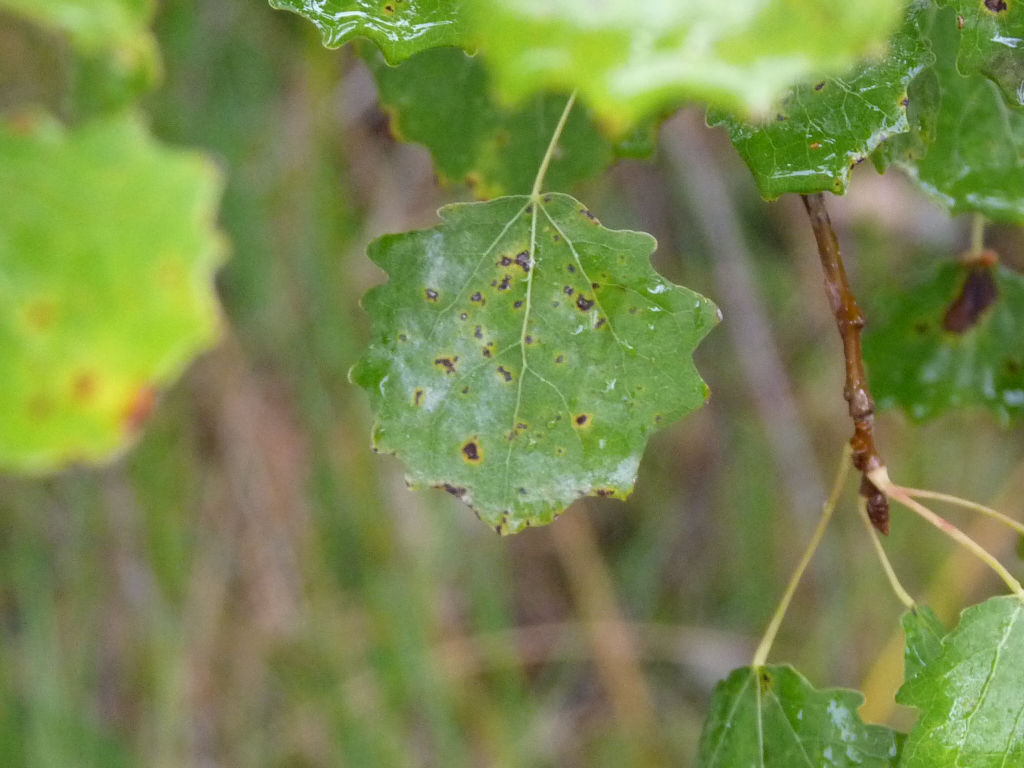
251 586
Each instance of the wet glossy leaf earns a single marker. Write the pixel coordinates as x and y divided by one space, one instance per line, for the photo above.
992 42
107 253
924 633
771 717
970 696
918 364
966 144
400 28
522 354
441 98
631 60
812 139
117 28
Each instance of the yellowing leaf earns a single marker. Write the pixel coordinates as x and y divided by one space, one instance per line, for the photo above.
107 254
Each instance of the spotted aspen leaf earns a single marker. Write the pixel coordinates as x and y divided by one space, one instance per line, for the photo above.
771 717
969 694
399 28
107 255
991 42
819 131
965 147
952 342
522 354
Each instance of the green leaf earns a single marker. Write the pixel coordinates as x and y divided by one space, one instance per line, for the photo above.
924 633
918 365
966 144
441 98
118 29
818 133
107 253
400 28
771 717
630 60
992 42
522 354
971 697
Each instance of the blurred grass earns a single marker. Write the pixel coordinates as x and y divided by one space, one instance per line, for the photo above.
252 587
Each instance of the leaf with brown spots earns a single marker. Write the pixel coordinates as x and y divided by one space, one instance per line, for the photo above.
991 42
547 399
813 138
106 285
951 342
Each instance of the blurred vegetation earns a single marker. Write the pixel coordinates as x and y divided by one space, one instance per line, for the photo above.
252 587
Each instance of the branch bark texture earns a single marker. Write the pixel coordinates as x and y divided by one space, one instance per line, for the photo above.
850 322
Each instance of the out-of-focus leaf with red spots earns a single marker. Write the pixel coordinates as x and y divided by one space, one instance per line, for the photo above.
107 255
522 355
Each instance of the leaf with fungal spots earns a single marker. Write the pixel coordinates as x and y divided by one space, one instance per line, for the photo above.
107 255
953 341
399 28
566 351
814 137
991 42
965 146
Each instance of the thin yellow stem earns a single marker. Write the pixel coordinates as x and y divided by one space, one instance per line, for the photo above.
1006 520
761 655
977 234
550 152
880 477
902 594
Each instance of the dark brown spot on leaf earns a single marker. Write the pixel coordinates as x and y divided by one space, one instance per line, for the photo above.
504 373
815 145
487 352
977 294
605 492
595 286
523 260
600 321
431 294
819 86
589 215
505 261
478 332
560 359
402 337
417 397
582 420
463 316
446 363
518 304
780 118
476 297
996 6
472 452
506 281
959 22
584 303
567 290
454 490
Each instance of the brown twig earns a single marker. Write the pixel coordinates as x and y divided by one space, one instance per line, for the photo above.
850 321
